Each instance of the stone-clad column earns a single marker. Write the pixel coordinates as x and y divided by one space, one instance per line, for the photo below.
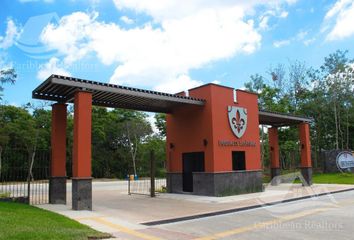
306 164
82 181
57 181
274 154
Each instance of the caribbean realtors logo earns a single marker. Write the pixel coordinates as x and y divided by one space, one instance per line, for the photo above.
237 120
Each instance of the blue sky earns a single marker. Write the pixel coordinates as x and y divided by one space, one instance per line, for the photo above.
166 45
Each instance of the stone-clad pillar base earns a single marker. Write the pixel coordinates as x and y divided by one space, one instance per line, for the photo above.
174 182
82 193
307 175
274 172
57 190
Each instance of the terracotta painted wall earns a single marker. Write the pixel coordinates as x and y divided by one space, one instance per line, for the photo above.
304 134
222 97
189 126
58 140
186 129
82 135
274 147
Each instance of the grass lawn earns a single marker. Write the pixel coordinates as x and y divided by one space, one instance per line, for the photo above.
334 178
328 178
21 221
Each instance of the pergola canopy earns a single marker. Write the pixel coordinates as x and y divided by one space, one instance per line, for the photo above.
62 89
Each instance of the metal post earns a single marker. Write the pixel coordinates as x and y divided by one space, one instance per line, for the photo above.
152 173
129 184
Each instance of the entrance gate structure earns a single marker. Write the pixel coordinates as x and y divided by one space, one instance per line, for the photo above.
202 133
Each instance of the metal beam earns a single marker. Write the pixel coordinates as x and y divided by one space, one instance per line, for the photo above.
125 91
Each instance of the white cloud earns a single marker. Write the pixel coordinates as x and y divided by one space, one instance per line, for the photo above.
162 10
299 37
71 36
12 33
52 67
307 42
126 20
284 14
161 53
181 83
263 24
281 43
274 12
339 20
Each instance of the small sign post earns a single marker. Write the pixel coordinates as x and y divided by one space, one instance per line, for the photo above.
152 173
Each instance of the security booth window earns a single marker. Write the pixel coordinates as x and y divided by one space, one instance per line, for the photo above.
238 161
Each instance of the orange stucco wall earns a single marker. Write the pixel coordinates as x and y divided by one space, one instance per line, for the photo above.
82 135
274 147
304 134
58 140
189 126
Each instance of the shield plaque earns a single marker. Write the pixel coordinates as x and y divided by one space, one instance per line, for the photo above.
237 120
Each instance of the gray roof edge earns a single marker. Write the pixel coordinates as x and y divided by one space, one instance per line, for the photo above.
286 115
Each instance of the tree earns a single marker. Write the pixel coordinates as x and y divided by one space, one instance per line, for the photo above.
325 94
336 80
41 124
6 76
136 130
278 75
160 122
158 145
17 128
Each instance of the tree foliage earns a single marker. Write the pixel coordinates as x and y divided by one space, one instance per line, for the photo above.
325 94
160 122
7 75
116 134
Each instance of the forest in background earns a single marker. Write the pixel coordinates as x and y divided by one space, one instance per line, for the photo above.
122 139
325 94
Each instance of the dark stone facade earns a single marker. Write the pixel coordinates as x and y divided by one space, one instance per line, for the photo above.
57 190
307 175
274 172
82 193
218 184
174 182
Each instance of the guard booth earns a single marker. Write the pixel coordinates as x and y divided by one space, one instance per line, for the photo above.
213 144
214 150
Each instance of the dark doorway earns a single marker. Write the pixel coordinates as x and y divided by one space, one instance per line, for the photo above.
192 162
238 160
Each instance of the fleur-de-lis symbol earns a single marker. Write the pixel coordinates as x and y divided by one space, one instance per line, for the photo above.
238 122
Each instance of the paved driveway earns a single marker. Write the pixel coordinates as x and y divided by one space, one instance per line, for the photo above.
125 216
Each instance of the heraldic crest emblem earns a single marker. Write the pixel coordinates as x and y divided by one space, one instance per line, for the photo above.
237 120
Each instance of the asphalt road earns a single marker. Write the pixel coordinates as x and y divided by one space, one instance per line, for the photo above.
326 217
